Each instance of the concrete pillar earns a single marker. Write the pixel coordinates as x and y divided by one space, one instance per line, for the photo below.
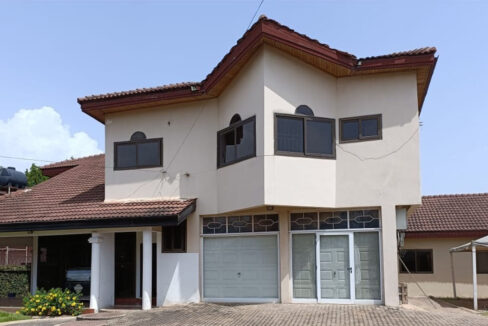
35 263
475 278
146 268
285 278
95 241
389 255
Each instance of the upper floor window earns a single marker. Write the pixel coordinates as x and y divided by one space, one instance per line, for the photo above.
304 135
139 152
236 142
174 238
360 128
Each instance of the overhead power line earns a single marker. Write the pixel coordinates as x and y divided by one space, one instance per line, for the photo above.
255 13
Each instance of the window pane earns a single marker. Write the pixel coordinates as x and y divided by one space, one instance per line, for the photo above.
290 134
424 261
245 140
227 147
408 258
482 262
303 257
369 127
364 219
148 154
367 265
126 155
350 130
238 224
266 223
319 137
214 225
333 220
303 221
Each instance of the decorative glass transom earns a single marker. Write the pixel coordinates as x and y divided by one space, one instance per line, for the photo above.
358 219
240 224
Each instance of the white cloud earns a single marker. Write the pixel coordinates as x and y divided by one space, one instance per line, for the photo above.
41 134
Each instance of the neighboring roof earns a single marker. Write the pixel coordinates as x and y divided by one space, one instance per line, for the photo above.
75 199
459 214
267 31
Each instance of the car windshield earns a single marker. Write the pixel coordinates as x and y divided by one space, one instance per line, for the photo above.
78 275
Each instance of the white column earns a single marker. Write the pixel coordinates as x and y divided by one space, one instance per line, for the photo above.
389 255
95 241
475 280
146 268
34 264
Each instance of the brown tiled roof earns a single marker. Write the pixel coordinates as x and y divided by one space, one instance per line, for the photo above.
451 213
77 196
268 31
420 51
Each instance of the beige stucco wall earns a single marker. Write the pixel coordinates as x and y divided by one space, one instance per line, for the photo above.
382 173
439 283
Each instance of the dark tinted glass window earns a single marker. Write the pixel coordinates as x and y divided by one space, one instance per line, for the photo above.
126 155
149 154
290 134
360 128
350 130
138 135
174 238
305 110
482 262
237 142
319 137
416 260
138 154
369 127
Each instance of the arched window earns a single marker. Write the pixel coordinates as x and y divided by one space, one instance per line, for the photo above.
235 118
138 135
139 152
304 110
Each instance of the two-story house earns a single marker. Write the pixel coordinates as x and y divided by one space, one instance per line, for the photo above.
278 178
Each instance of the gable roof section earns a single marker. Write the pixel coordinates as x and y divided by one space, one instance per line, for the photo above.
450 215
74 198
267 31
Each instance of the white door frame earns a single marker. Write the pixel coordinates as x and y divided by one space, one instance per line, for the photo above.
352 292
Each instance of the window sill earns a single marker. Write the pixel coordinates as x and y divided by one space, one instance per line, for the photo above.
223 165
294 154
359 140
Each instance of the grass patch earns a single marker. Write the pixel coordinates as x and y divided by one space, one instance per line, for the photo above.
7 316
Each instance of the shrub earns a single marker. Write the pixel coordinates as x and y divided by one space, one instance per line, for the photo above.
54 302
14 279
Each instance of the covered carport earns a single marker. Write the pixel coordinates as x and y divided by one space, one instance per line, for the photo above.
480 244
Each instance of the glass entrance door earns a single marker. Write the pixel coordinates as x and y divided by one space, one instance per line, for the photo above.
335 268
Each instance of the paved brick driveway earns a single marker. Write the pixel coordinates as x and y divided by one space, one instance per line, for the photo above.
299 315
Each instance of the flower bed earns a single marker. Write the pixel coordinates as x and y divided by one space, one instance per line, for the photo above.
54 302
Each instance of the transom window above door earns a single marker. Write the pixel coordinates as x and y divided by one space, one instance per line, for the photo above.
139 152
357 219
303 134
236 142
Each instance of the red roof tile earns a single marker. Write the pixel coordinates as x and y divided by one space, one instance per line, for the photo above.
348 60
77 195
451 213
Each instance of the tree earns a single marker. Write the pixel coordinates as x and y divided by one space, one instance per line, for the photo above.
34 176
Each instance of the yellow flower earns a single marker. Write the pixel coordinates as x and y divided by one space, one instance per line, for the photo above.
53 308
63 306
32 309
43 308
73 304
60 300
59 312
37 301
17 312
40 313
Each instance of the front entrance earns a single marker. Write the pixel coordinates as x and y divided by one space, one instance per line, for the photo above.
336 267
125 265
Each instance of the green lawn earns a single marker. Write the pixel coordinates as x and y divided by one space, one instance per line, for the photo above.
7 316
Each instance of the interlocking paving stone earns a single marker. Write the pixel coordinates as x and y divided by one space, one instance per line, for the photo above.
297 315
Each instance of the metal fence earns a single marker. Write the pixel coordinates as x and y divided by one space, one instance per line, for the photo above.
15 256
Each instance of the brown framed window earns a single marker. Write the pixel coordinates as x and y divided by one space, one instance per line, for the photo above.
417 261
237 142
138 153
302 134
174 238
360 128
482 262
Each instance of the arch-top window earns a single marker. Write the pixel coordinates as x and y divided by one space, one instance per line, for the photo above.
236 142
138 153
235 118
138 135
304 110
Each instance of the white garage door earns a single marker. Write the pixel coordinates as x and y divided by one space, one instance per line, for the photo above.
240 268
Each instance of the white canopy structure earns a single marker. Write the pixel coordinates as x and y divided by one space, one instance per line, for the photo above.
482 243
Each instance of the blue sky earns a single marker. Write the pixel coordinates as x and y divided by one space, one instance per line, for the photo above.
53 52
